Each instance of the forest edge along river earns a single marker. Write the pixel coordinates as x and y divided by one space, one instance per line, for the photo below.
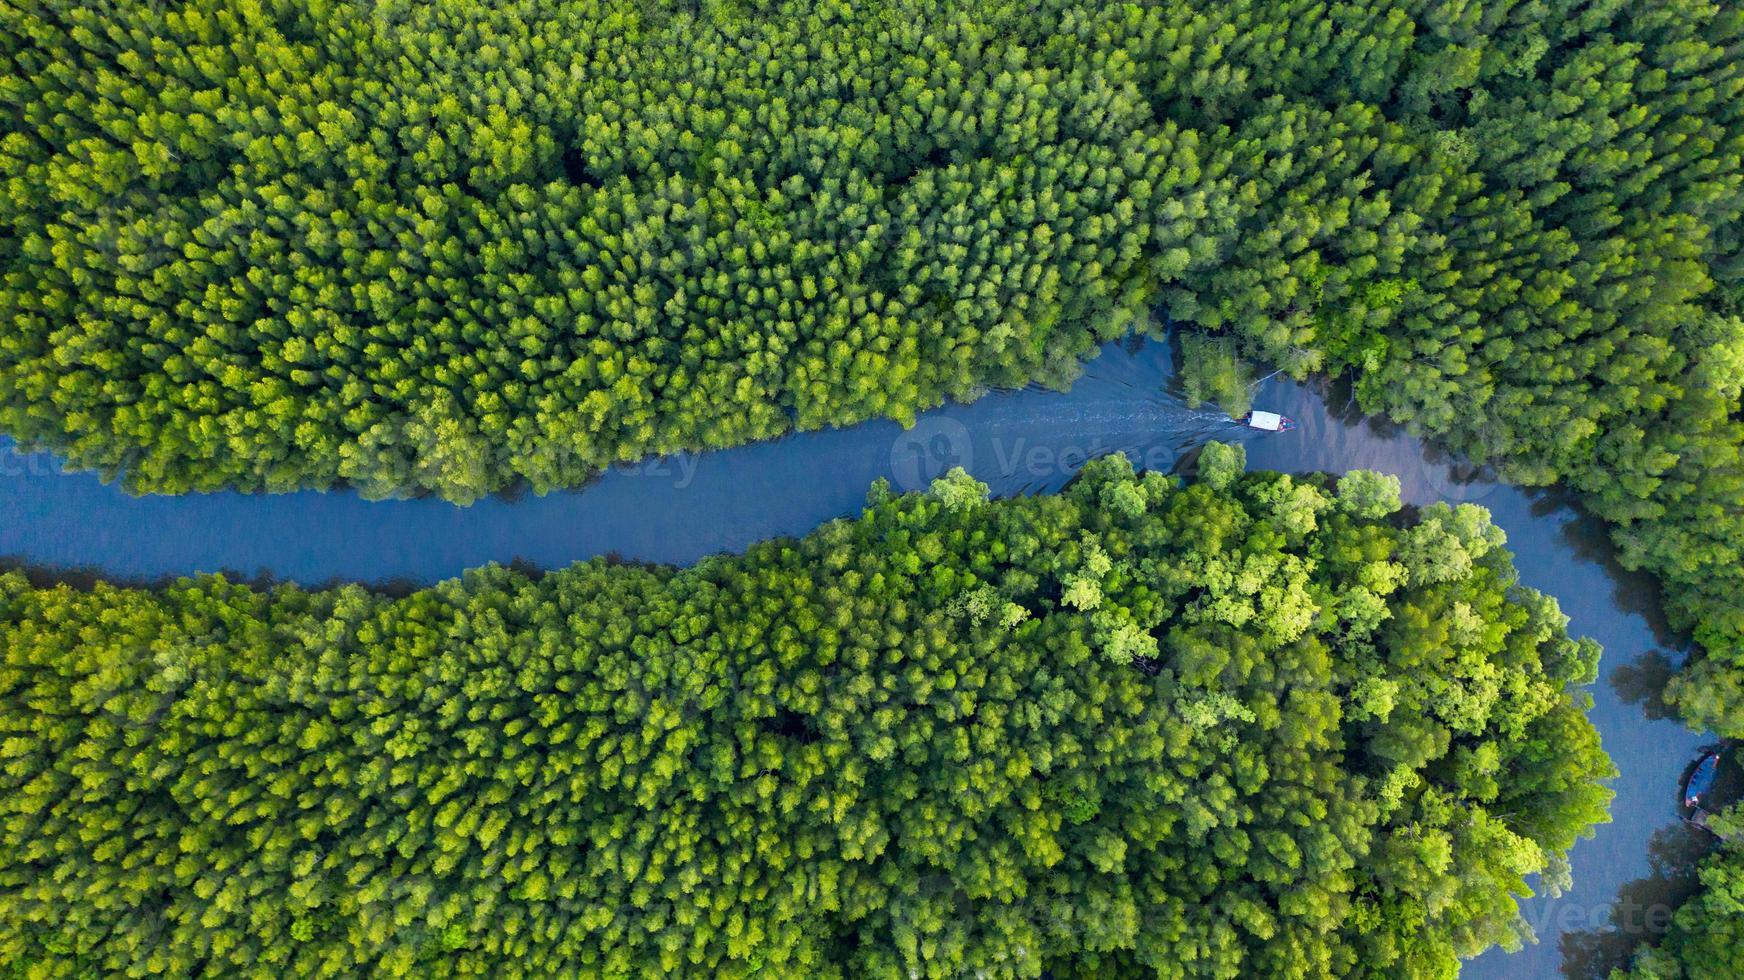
1626 879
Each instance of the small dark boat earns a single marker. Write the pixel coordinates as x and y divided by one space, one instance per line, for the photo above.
1267 422
1701 779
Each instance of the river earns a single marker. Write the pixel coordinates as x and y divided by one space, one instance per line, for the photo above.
678 509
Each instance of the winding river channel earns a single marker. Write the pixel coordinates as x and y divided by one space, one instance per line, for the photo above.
681 508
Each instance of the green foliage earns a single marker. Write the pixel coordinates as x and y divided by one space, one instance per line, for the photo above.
1082 592
957 490
452 246
1369 495
821 758
1447 542
1221 463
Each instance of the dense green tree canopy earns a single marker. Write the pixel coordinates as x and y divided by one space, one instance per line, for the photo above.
1221 733
453 246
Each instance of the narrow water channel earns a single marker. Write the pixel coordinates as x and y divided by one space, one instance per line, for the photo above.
682 508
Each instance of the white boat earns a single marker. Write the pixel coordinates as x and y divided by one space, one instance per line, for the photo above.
1268 422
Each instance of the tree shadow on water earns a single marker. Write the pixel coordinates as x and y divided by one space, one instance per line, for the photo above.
88 578
1632 591
1644 907
1642 682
